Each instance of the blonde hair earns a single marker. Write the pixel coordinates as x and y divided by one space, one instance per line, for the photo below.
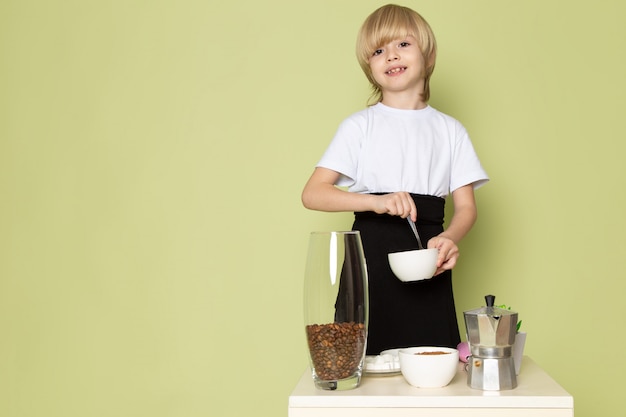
386 24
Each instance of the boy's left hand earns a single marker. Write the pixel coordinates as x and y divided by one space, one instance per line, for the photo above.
448 253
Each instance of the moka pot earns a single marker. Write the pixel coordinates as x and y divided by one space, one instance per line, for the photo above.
491 334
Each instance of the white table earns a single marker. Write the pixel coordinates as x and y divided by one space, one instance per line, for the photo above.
389 396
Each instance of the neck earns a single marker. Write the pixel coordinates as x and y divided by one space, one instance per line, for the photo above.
405 100
404 103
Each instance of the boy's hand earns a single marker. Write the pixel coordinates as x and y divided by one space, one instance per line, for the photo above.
396 204
448 253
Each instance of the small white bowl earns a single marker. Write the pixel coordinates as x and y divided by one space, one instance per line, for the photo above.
424 369
414 265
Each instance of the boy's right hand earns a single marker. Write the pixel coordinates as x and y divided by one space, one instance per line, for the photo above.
396 204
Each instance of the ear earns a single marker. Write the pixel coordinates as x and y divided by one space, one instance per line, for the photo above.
430 59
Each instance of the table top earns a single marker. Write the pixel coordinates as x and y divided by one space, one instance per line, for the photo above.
535 388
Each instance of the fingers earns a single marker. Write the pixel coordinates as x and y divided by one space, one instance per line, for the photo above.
448 253
446 265
400 204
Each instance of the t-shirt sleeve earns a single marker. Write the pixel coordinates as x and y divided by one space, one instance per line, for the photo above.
342 154
466 167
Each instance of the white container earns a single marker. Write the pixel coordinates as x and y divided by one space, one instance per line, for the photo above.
429 366
414 265
518 350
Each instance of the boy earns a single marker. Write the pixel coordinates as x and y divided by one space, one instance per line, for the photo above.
400 157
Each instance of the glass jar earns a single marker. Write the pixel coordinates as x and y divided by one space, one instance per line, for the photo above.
336 309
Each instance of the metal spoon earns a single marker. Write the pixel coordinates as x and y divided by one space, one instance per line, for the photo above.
417 236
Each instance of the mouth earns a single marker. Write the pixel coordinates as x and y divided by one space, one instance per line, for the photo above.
395 70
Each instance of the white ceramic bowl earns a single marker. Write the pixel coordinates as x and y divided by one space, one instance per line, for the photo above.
424 369
414 265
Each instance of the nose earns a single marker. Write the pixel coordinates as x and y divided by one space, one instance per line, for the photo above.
392 55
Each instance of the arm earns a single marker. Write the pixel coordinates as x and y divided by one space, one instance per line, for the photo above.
463 219
320 193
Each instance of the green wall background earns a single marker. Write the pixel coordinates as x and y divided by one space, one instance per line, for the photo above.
152 154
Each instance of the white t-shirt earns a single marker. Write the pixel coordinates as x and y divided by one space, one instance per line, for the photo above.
384 149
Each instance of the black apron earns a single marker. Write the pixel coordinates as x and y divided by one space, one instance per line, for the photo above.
404 314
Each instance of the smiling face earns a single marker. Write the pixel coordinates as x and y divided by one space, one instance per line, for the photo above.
398 67
398 29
